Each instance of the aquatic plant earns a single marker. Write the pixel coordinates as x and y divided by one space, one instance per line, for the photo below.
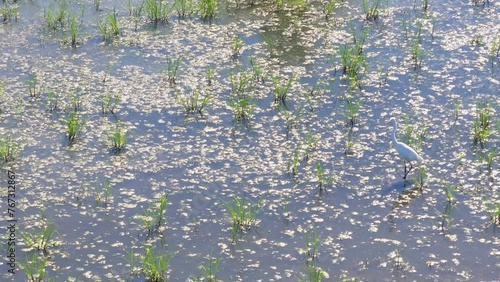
194 102
108 28
207 9
351 112
118 138
8 149
358 39
313 273
313 242
34 88
329 7
242 213
73 28
184 8
34 268
172 69
103 193
210 268
417 54
240 82
256 69
9 12
352 61
481 124
236 45
74 125
52 101
413 134
421 176
153 266
242 106
319 174
449 191
457 108
157 11
294 163
43 239
154 213
56 19
425 5
282 87
135 12
372 10
109 103
210 74
488 157
493 210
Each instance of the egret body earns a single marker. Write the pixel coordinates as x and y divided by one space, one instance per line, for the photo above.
404 151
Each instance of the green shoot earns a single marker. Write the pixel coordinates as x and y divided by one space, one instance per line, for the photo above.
73 28
74 124
449 191
493 210
319 174
481 128
102 195
52 101
194 102
184 8
8 149
328 8
242 214
207 9
210 268
109 103
242 106
34 268
236 46
312 244
157 11
118 138
372 10
172 70
210 75
351 112
154 266
281 88
43 239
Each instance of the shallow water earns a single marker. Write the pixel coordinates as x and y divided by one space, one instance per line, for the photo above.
372 225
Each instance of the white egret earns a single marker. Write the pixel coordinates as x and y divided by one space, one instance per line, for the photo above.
404 151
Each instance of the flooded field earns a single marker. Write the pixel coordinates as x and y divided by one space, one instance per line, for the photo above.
249 140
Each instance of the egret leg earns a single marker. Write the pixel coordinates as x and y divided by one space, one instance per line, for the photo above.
407 172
